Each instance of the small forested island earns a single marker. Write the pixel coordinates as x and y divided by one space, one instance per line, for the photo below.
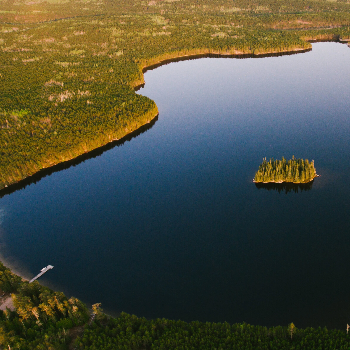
294 170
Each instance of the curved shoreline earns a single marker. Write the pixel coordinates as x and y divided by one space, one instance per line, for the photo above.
154 63
76 160
179 56
66 162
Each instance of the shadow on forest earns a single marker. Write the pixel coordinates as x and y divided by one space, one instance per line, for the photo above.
285 187
73 162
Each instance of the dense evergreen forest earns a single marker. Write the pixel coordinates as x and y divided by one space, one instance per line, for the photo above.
130 332
278 171
68 68
68 72
44 319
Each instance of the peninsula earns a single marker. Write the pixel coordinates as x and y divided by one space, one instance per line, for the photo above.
296 171
68 71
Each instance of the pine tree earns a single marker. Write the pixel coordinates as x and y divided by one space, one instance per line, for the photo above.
295 170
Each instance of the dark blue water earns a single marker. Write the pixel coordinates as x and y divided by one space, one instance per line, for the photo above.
170 224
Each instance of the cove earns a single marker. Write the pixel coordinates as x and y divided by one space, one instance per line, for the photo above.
169 224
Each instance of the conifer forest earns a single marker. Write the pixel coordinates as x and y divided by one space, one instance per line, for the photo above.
293 170
68 74
69 68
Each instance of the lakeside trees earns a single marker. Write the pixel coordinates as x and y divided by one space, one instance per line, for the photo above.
67 72
9 282
278 171
131 332
44 319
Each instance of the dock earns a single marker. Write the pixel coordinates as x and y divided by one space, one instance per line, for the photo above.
45 269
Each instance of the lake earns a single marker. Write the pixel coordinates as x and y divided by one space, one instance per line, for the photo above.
169 223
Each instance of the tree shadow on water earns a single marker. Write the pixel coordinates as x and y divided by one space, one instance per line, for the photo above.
285 187
75 161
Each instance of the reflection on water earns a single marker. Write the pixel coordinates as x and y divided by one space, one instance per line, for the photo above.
285 187
73 162
2 215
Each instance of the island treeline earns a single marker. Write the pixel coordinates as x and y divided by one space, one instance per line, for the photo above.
44 319
297 171
68 69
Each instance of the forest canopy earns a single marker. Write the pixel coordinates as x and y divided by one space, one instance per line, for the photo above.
297 171
44 319
68 68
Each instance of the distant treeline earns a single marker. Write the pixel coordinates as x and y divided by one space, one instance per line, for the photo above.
68 69
278 171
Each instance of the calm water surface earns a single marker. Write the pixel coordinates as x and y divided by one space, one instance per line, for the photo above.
170 223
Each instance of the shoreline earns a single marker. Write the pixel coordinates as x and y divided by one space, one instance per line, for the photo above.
286 182
154 63
194 54
136 85
37 176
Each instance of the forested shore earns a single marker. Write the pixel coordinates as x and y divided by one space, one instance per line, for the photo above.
44 319
68 71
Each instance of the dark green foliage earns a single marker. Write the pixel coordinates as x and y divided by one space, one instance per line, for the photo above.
133 333
41 320
67 73
9 282
278 171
